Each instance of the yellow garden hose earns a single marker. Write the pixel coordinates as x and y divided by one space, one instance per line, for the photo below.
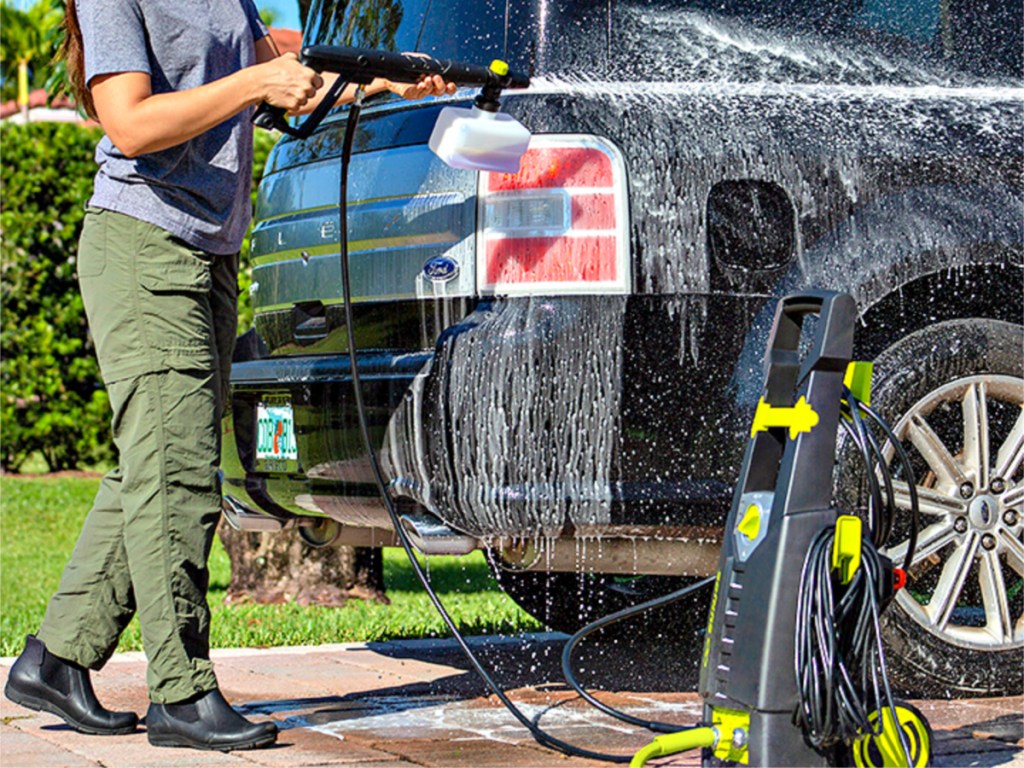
671 743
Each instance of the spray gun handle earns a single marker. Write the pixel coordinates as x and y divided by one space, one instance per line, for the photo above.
275 118
363 65
272 119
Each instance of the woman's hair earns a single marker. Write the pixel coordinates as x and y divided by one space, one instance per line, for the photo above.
73 54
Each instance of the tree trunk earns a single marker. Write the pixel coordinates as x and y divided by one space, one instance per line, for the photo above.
281 567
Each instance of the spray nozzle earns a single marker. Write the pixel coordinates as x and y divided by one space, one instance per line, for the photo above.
489 97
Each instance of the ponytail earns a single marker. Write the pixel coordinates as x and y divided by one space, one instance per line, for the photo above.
72 53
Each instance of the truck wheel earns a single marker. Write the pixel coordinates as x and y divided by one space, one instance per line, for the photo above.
954 394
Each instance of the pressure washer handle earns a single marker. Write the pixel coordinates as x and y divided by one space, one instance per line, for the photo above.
272 119
275 118
364 65
805 303
832 347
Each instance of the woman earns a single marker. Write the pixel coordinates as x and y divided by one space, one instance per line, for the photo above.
174 84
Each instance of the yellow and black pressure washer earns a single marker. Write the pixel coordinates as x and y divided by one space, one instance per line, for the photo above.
793 672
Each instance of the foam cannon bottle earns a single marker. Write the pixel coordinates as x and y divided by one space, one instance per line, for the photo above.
781 503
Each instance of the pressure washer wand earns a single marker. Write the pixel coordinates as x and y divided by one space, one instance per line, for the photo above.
363 65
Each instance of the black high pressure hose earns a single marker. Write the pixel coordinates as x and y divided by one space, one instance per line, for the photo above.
614 618
542 737
882 507
901 454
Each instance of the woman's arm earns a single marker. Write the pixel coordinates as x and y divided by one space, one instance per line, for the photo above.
139 121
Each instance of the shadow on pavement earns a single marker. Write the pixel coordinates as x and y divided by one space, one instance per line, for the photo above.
613 661
992 742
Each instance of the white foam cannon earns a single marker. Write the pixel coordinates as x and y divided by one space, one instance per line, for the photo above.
481 138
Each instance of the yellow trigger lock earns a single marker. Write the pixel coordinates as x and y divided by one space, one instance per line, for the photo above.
799 418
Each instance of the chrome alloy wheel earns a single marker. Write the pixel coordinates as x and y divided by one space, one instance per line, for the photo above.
967 577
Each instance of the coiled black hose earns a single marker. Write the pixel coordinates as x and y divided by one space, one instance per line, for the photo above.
839 659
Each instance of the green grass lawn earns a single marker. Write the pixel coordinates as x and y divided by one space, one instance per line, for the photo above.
40 519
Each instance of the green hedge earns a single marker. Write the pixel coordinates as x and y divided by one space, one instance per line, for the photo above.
52 400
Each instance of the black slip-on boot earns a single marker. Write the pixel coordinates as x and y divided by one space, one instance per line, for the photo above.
207 722
41 681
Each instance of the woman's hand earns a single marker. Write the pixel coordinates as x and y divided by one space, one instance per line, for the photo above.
284 82
428 85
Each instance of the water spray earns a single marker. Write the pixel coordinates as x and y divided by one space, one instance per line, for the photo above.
793 669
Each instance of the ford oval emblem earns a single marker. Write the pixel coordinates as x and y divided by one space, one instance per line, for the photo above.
986 512
441 269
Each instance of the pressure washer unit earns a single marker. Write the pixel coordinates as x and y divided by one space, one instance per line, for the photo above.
793 670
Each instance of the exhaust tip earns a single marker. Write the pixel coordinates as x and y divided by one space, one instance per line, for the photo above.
242 518
432 536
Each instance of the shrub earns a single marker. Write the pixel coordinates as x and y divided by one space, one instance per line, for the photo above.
52 399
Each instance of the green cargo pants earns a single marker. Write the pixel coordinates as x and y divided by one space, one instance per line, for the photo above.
163 316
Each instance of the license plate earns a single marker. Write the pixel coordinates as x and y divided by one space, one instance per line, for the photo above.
276 447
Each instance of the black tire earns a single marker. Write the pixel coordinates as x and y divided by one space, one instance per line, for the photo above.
964 644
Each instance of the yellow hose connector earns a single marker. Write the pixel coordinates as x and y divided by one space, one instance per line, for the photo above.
672 743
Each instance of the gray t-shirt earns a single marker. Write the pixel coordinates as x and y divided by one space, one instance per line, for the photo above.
199 190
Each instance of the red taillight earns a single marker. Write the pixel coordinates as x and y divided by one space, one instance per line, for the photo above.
559 225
